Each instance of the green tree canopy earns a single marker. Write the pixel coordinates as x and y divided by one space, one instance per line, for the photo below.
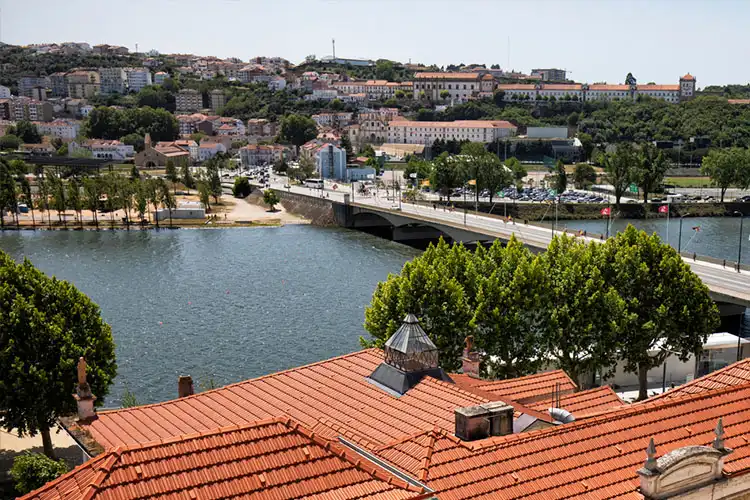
728 167
584 176
298 129
47 326
26 131
10 142
619 167
271 199
31 471
241 188
649 170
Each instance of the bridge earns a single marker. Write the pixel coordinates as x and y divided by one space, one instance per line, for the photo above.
409 223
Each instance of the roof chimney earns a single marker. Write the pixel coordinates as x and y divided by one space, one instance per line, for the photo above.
409 356
471 359
185 386
483 421
83 396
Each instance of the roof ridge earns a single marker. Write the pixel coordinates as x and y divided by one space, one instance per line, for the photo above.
262 377
721 371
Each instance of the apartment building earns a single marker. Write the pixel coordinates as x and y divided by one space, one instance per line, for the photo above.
25 108
26 84
229 126
277 83
4 92
260 127
113 80
335 120
63 129
218 100
138 78
83 84
373 89
208 150
460 86
188 101
254 155
58 84
197 122
103 149
159 77
330 160
549 74
413 132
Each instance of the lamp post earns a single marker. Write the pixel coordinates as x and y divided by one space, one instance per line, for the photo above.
739 246
679 239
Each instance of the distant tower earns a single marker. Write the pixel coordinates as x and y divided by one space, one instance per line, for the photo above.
687 87
333 42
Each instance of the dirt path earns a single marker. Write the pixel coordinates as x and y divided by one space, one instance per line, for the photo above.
245 210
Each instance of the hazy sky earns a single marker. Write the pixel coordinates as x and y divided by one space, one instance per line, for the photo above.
597 40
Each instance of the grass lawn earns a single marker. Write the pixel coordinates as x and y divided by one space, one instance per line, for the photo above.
688 182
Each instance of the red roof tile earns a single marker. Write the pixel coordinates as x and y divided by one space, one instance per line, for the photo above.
735 374
446 76
522 389
688 77
335 390
275 458
594 458
584 402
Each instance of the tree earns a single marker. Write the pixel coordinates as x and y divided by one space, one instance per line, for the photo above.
587 144
727 167
444 94
92 192
399 94
445 176
74 198
170 203
26 131
346 144
62 150
271 199
668 307
28 198
428 288
241 188
171 172
619 169
212 177
204 194
297 130
305 171
134 173
31 471
517 169
584 313
651 165
384 70
47 326
630 79
141 199
584 176
561 177
510 313
10 142
155 197
337 105
135 140
187 177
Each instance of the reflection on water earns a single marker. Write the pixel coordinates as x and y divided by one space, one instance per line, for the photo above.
220 305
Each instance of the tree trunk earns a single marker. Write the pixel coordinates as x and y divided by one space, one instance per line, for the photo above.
723 191
156 217
645 196
47 443
33 222
642 381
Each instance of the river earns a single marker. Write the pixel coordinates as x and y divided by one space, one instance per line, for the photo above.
716 237
222 305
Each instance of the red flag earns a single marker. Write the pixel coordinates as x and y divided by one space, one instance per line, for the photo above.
605 211
664 209
696 228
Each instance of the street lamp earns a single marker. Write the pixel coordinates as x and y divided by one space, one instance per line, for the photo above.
739 246
679 240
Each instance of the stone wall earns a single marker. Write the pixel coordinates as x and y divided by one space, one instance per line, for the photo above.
319 211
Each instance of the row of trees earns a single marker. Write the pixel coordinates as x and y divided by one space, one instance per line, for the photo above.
580 307
643 165
474 166
113 123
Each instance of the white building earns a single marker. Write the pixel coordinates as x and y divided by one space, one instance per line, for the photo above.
413 132
159 77
85 110
112 80
254 155
323 94
373 89
277 83
229 126
138 78
4 92
64 129
110 150
459 86
332 119
209 150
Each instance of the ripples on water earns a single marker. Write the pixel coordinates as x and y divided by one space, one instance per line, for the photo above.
225 305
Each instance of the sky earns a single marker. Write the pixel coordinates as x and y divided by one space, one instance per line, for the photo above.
595 40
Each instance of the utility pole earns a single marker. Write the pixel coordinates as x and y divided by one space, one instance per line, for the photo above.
333 42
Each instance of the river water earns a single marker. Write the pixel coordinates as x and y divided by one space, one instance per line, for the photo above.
222 305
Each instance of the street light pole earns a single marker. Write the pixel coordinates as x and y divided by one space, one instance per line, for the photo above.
739 249
464 190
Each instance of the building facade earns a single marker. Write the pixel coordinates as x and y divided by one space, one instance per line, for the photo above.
260 127
64 129
335 120
159 77
26 84
549 74
58 85
113 80
188 101
24 108
218 100
254 155
460 86
138 78
413 132
83 84
4 92
103 149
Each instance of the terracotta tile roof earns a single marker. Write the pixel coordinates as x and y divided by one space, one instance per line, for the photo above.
735 374
594 458
688 77
605 87
335 389
654 87
525 390
570 87
516 86
738 101
584 402
455 124
446 76
275 458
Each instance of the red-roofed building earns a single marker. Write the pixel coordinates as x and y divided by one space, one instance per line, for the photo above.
275 458
460 86
414 132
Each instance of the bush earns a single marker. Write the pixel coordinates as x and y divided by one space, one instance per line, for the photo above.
242 187
270 198
33 470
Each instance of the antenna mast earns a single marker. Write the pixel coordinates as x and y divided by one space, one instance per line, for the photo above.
333 42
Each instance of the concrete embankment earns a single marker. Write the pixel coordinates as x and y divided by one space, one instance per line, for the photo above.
319 211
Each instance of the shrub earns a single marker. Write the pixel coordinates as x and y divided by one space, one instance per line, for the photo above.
241 187
33 470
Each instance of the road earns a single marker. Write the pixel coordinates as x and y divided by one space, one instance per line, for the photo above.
733 285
